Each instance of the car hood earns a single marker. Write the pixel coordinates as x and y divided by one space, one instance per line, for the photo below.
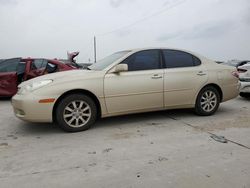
65 76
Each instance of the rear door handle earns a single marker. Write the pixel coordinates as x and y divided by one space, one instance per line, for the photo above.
201 73
156 76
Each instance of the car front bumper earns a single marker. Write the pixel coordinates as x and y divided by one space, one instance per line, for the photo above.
245 87
28 108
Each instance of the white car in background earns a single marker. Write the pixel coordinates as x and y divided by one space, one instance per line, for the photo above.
127 82
244 76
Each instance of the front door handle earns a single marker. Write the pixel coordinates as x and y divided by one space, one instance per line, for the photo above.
156 76
201 73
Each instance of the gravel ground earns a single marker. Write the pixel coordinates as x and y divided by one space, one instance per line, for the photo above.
159 149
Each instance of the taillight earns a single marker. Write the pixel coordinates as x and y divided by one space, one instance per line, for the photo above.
241 70
236 74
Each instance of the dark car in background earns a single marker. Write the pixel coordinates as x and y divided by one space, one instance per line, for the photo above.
16 70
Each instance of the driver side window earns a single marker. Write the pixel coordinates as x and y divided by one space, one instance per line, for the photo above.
9 65
144 60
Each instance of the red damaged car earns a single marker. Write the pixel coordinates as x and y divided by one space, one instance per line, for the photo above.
16 70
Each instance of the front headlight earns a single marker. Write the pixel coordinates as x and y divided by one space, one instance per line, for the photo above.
33 86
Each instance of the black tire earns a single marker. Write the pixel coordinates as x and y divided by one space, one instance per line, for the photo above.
62 112
199 107
245 95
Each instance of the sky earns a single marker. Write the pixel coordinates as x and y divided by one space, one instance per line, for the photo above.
217 29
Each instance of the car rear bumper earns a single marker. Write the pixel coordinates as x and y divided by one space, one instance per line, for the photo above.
28 108
230 91
245 87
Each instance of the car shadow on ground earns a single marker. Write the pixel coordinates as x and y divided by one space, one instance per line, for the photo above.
25 128
5 98
244 98
140 119
149 118
157 118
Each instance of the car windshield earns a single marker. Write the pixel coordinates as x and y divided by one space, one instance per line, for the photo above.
104 63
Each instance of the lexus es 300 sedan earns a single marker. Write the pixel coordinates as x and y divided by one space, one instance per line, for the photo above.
127 82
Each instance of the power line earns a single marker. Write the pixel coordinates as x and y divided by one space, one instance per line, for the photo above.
143 19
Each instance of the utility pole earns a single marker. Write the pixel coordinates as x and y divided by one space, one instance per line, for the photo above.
95 48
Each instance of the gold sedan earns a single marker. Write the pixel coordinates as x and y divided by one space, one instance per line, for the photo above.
127 82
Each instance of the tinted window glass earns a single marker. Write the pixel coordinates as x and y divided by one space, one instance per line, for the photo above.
144 60
38 64
51 68
9 65
174 58
21 68
196 61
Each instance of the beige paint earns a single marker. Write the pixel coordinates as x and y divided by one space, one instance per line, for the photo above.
143 91
181 84
129 92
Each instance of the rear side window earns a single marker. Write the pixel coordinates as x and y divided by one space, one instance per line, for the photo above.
9 65
38 64
175 59
144 60
196 61
51 67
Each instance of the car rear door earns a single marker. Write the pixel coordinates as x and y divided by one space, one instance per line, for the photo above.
183 77
140 88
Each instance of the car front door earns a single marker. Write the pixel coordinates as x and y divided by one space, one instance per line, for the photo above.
37 68
138 89
183 77
8 77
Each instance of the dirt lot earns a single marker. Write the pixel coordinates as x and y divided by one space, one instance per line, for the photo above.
160 149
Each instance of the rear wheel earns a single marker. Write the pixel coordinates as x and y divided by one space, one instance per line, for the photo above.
76 112
208 101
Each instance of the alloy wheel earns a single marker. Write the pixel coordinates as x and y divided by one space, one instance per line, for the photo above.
77 113
208 101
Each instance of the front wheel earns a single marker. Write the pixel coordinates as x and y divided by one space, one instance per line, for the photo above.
207 102
76 112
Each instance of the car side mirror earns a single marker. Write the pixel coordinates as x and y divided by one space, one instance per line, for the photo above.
120 68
